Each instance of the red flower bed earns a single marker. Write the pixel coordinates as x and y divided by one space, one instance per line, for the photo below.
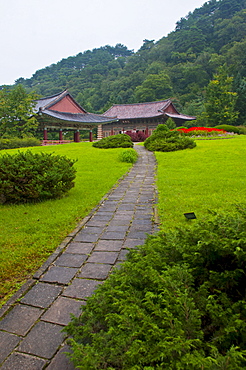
204 129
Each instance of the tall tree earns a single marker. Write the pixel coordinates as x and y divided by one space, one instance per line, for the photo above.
16 112
154 87
220 100
240 88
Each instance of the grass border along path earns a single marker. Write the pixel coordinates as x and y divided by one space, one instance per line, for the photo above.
29 233
210 177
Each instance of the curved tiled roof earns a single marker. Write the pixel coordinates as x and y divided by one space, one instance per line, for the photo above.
138 110
51 116
84 118
49 101
180 116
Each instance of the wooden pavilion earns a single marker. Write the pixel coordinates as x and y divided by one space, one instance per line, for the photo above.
61 112
143 117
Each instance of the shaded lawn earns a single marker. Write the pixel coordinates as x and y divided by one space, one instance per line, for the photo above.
210 177
30 233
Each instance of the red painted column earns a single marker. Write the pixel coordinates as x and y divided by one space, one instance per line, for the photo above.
147 131
45 134
76 136
60 134
112 132
91 136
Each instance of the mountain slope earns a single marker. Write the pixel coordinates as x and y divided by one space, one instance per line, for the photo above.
177 66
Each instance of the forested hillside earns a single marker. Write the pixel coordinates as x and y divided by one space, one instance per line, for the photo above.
178 66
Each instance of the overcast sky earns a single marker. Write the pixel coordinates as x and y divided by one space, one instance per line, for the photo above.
36 33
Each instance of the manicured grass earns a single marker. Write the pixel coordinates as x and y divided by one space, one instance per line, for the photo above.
30 233
211 176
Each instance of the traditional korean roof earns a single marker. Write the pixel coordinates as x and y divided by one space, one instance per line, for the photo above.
146 110
81 118
49 101
138 110
87 118
180 116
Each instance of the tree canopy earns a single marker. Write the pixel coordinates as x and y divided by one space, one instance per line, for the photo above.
16 112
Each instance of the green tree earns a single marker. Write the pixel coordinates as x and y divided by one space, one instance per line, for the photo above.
220 101
16 112
241 100
154 87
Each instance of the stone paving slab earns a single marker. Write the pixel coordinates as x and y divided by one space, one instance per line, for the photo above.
42 295
20 319
109 245
32 320
81 288
79 247
96 271
60 311
86 238
113 235
21 361
48 336
61 361
71 260
103 257
120 228
133 243
59 274
7 343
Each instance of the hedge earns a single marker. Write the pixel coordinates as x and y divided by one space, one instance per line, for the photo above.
26 176
165 140
114 141
178 302
18 143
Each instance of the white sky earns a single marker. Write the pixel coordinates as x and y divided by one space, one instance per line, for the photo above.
36 33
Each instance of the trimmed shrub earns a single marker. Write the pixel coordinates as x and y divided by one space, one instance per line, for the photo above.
128 155
242 130
18 143
165 140
137 136
229 128
178 302
28 176
114 141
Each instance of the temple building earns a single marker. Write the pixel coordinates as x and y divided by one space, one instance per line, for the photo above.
61 112
143 117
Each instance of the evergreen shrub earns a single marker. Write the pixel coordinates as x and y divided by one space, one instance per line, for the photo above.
28 176
16 142
242 130
114 141
129 155
178 302
165 140
229 128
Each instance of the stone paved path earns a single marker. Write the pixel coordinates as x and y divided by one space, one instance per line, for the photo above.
30 329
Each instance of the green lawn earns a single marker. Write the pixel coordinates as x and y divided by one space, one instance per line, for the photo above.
211 176
30 233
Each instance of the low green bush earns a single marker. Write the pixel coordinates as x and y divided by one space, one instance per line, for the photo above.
18 143
114 141
242 130
29 176
178 302
165 140
129 155
229 128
